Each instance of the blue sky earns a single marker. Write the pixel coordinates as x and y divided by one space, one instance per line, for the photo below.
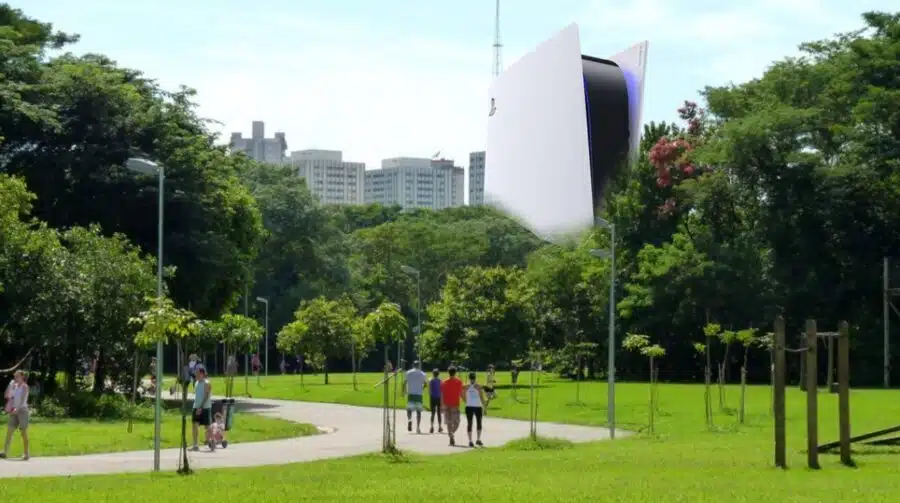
387 78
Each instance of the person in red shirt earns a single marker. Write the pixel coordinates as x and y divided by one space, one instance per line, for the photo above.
451 392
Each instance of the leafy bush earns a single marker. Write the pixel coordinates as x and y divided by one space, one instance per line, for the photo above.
83 404
51 409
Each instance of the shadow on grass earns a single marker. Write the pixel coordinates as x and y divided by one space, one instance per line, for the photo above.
539 444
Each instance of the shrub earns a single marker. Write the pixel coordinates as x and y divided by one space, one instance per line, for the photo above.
51 409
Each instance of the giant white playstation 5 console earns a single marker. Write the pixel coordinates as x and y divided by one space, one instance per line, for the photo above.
559 127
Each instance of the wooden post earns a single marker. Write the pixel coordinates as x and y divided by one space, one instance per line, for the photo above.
801 383
778 394
812 397
844 391
829 374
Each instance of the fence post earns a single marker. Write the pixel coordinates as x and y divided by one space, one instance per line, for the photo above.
778 394
844 391
812 396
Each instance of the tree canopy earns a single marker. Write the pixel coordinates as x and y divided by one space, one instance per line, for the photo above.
780 195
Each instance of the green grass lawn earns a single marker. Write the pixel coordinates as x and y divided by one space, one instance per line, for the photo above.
86 436
682 462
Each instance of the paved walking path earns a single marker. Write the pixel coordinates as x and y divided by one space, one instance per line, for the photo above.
352 431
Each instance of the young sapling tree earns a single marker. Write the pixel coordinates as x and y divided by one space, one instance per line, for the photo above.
746 338
640 343
700 349
711 331
727 337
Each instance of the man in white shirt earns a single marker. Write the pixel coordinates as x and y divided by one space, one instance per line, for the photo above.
415 385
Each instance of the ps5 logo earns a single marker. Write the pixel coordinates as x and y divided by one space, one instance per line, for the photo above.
493 108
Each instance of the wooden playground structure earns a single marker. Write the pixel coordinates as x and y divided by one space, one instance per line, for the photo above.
809 382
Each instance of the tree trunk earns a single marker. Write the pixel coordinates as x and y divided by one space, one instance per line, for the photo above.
325 369
652 401
743 385
100 373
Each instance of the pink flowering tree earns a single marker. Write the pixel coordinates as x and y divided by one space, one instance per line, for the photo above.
671 156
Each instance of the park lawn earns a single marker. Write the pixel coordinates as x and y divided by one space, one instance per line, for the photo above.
64 437
681 462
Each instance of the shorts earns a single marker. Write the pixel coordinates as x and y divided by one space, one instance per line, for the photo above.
203 418
489 390
19 420
414 402
436 403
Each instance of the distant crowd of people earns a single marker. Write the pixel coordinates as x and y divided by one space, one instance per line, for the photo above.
445 399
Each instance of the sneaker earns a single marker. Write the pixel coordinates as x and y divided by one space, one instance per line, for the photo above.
2 455
409 426
418 431
26 457
195 448
479 444
452 441
471 444
432 430
440 430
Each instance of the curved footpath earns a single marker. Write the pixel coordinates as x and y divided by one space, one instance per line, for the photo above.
350 431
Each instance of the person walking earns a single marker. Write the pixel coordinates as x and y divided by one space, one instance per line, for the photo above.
451 392
415 384
17 406
490 386
202 409
434 392
475 407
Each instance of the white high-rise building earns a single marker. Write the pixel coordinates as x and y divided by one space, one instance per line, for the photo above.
416 183
329 177
476 178
269 150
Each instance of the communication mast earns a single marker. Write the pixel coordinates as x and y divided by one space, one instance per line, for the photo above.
498 47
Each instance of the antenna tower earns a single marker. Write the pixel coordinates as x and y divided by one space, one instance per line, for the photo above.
498 47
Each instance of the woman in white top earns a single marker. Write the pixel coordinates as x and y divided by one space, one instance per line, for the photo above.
475 401
17 404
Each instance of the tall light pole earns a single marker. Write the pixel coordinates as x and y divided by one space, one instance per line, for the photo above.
148 167
266 339
611 363
412 271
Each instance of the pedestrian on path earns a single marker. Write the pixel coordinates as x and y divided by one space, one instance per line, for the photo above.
415 384
434 392
17 404
475 406
490 386
451 392
202 409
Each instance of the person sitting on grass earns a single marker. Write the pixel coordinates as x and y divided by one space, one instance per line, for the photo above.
202 409
17 406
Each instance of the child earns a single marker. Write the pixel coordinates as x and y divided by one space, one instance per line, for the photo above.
217 432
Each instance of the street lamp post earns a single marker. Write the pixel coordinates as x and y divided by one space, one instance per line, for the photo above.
611 363
412 271
149 167
266 339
